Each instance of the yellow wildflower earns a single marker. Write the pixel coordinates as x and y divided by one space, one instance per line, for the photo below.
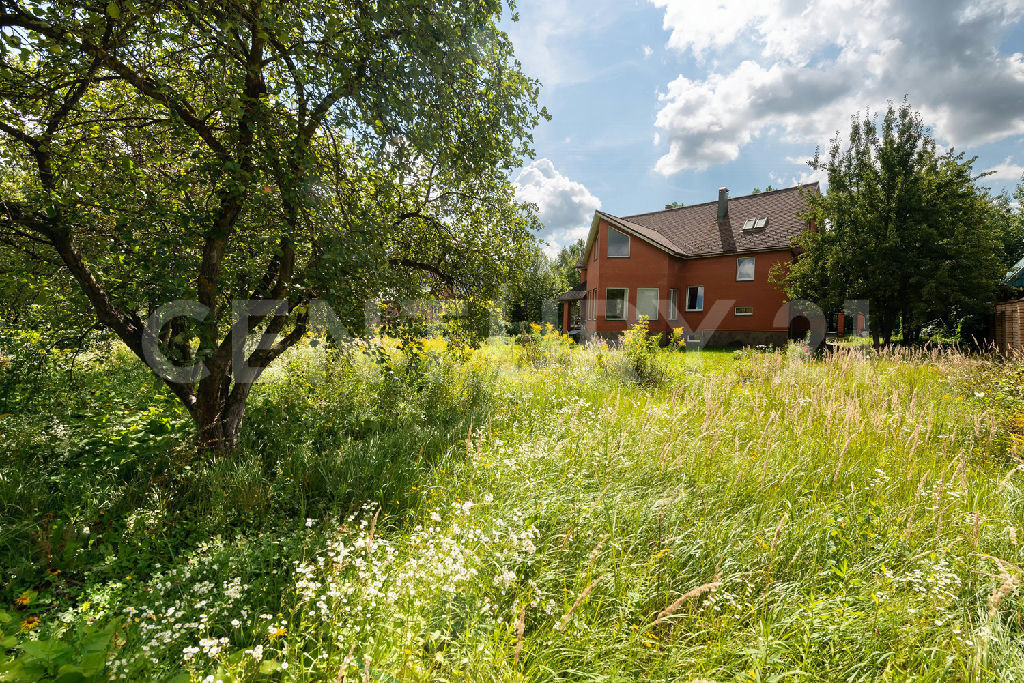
30 623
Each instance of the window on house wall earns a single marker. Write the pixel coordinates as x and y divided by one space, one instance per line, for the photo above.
673 304
647 302
595 247
745 269
744 310
695 298
593 308
615 303
618 244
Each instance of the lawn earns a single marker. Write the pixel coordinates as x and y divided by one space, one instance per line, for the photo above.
520 512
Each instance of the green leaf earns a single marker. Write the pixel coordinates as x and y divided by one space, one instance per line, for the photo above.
113 10
270 666
70 673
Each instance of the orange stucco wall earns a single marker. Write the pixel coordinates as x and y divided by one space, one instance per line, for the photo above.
649 266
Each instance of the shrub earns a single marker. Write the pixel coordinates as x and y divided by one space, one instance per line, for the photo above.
27 366
640 355
543 345
677 339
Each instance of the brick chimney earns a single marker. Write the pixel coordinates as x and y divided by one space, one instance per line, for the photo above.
724 224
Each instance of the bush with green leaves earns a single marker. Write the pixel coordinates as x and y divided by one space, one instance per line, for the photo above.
78 655
27 364
542 345
641 361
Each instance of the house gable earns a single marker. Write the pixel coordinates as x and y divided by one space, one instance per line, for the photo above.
640 232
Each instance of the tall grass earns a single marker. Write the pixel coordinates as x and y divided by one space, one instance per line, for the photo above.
536 514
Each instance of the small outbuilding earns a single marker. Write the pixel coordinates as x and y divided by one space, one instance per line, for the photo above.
1010 326
1010 316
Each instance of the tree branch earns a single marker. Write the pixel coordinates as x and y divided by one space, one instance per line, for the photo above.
425 267
18 134
143 84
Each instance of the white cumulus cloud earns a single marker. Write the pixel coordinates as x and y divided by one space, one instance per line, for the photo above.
565 207
801 67
1007 171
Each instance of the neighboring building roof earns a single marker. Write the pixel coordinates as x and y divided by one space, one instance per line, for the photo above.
575 294
1015 278
694 231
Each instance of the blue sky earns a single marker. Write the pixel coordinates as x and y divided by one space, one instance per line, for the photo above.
656 101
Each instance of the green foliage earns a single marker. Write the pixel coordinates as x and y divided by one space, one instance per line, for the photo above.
641 362
565 262
531 300
1009 221
78 656
541 346
26 365
216 152
901 226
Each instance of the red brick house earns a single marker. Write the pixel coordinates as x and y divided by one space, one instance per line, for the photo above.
704 268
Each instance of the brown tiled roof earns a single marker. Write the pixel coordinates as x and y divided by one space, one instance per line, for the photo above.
652 236
575 294
694 230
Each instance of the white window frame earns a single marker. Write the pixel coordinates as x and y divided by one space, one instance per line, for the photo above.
673 304
625 303
593 309
700 298
753 275
629 244
597 242
657 302
736 311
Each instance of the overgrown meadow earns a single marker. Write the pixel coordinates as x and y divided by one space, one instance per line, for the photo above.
523 511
